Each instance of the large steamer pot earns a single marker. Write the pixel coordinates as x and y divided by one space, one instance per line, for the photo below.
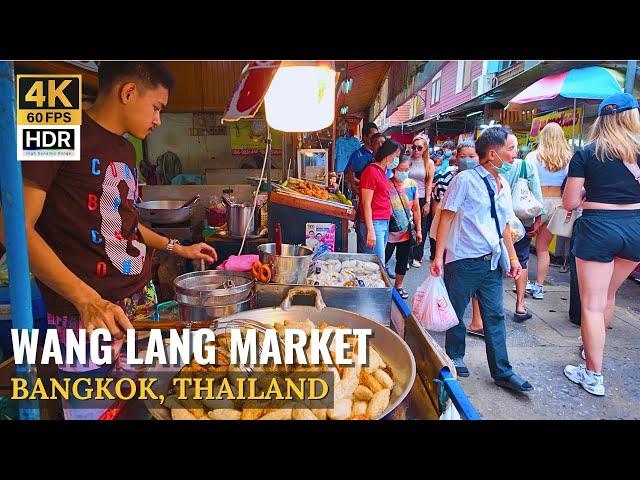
292 267
213 294
393 349
164 211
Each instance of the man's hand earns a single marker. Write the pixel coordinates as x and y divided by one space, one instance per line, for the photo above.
100 313
371 238
516 269
199 251
419 237
436 267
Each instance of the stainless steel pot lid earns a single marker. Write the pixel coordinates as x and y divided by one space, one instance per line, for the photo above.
213 285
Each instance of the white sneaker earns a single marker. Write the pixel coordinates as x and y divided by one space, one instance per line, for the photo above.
584 357
527 289
592 382
416 264
537 291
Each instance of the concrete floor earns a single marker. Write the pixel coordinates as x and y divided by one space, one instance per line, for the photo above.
540 348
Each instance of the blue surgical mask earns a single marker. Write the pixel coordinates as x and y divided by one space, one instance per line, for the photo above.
395 163
467 163
448 153
504 168
402 176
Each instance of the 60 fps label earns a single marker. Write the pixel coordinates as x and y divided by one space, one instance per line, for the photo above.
49 116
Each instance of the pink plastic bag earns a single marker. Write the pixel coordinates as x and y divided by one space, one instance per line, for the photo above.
243 263
432 307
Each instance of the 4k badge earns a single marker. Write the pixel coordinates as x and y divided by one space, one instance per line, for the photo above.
49 117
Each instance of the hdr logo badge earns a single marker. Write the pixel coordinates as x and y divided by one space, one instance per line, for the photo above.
49 117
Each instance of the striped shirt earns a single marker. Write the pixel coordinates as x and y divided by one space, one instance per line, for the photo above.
441 182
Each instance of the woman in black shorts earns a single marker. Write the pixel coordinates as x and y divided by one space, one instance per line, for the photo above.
607 236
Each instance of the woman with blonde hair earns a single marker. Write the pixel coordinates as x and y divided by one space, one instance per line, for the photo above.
421 171
552 162
605 178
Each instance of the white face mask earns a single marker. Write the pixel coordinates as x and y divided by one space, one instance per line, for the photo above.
394 163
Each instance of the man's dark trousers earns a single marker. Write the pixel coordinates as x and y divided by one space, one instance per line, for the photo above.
473 276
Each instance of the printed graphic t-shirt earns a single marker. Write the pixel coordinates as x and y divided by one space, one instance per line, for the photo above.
88 218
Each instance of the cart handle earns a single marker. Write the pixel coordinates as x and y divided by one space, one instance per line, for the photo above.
303 291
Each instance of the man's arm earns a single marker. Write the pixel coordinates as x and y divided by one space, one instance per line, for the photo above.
516 268
95 312
200 251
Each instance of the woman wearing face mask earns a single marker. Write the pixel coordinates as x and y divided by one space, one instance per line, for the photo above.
466 150
375 207
466 158
404 204
421 172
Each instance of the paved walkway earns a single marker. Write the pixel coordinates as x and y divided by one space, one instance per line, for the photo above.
540 348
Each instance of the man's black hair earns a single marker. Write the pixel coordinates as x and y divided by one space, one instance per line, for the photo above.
376 136
150 74
386 149
366 131
491 138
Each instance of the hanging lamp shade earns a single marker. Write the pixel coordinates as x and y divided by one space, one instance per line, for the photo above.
301 97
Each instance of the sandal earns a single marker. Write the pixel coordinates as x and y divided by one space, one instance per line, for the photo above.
403 293
515 382
477 332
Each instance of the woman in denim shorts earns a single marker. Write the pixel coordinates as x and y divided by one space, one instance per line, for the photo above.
607 236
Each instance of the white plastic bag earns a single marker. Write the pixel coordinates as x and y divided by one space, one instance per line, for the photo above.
432 307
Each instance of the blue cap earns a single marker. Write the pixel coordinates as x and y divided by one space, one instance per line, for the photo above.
617 103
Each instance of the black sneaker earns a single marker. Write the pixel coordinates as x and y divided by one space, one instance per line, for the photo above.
461 368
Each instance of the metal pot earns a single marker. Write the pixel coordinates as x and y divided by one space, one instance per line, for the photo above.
165 211
213 294
393 349
239 216
289 268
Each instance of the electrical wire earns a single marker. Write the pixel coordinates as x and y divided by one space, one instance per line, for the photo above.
255 201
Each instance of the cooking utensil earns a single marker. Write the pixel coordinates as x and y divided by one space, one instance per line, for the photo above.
192 201
212 294
239 215
164 211
291 267
261 271
278 238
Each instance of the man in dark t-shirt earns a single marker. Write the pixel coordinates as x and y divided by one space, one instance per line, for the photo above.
87 250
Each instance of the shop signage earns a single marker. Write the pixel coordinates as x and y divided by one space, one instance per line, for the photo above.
249 137
49 116
564 118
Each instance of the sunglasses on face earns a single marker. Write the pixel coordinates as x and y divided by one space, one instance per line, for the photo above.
417 147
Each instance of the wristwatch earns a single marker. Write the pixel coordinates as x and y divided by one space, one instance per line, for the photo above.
172 243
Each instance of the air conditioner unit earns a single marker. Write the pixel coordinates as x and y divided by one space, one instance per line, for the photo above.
482 84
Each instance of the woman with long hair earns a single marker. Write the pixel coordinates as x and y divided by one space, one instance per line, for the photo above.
421 171
375 206
552 161
605 178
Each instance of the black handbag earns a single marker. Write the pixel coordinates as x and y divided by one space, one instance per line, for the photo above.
413 241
